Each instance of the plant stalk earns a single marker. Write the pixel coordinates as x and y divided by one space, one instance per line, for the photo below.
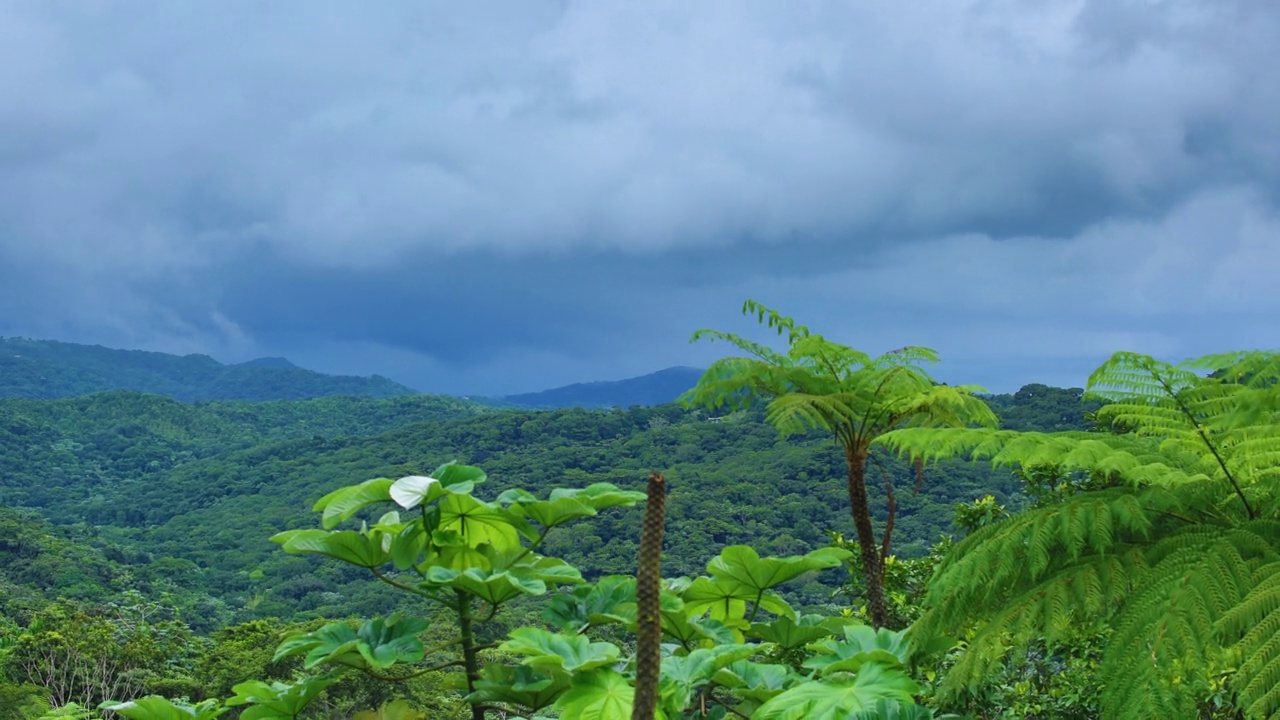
648 601
470 653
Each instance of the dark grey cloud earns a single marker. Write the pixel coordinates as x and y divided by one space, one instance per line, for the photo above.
498 197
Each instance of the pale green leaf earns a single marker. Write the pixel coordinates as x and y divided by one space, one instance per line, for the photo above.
570 653
342 503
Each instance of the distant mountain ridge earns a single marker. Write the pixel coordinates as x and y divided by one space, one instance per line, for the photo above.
657 388
49 369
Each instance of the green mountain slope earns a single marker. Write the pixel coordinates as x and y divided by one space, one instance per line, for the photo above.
46 369
730 483
65 455
209 483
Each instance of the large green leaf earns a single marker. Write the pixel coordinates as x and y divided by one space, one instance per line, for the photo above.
790 634
550 570
407 546
597 695
525 687
494 588
278 701
158 708
550 513
377 644
727 600
478 522
367 549
456 476
595 604
570 653
867 695
600 495
861 644
682 675
740 564
757 682
690 631
345 502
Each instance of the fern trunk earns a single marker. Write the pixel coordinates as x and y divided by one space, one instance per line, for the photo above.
872 562
648 589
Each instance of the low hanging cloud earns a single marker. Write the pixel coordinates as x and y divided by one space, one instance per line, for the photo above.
495 198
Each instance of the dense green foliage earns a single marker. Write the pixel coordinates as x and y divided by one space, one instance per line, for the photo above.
734 642
203 485
157 514
1167 531
46 369
65 455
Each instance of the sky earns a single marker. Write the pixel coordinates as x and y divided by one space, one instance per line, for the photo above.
492 198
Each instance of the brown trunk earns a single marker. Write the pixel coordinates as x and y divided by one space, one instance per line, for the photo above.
648 602
872 564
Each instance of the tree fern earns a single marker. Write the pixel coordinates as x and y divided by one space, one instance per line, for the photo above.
817 383
1182 553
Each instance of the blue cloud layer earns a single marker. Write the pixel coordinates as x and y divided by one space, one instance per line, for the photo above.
498 198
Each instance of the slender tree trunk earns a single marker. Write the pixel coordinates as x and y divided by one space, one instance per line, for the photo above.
470 657
648 602
872 563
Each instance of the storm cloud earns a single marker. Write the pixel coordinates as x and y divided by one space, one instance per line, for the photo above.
492 198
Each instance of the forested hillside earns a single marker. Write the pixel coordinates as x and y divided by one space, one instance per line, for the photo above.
141 560
46 369
64 455
140 520
208 483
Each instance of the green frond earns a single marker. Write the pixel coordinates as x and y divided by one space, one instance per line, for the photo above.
1051 609
1252 369
1128 376
909 356
823 355
1138 461
774 320
1251 631
1182 559
762 352
817 383
945 406
991 565
1165 634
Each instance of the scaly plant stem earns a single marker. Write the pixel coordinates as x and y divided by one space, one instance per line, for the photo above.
649 602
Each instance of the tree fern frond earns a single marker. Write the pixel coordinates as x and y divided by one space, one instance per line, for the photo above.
1251 632
817 383
797 412
990 565
1253 369
1192 538
1138 461
774 320
762 352
945 406
1050 608
1165 631
909 356
1134 377
818 352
